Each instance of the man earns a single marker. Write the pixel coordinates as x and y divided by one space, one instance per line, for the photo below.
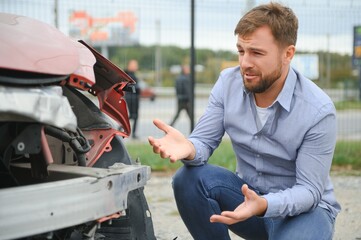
283 132
183 91
133 98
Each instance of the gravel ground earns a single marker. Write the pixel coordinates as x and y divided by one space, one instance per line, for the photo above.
168 224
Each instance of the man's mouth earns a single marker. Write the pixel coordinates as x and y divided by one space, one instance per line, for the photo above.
250 76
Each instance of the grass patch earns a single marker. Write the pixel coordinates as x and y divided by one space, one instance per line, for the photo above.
347 156
224 156
348 105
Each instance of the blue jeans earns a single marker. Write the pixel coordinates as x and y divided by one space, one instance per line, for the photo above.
205 190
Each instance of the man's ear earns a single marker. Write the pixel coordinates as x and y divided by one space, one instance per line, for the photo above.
289 53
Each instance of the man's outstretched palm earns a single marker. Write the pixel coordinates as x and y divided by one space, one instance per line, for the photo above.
252 205
173 145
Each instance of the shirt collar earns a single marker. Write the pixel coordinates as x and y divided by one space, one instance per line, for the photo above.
285 96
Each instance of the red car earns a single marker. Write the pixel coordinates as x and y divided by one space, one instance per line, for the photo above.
146 91
65 172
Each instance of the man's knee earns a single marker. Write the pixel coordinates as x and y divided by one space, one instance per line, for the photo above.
193 179
200 177
186 177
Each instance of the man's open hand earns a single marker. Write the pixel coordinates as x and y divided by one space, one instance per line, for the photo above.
253 205
173 145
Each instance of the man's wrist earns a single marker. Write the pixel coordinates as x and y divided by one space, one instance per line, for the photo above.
192 151
262 207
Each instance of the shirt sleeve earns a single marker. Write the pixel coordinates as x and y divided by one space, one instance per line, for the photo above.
209 130
313 164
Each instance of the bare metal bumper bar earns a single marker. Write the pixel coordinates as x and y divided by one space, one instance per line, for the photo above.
85 194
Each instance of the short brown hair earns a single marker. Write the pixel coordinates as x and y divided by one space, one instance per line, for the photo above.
280 19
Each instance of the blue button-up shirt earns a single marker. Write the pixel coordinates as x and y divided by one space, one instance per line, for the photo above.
287 159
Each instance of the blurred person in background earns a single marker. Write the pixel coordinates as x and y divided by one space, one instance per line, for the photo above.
283 130
133 98
183 92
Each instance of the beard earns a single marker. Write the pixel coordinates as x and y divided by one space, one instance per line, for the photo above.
264 83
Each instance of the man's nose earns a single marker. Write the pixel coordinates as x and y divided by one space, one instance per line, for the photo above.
246 61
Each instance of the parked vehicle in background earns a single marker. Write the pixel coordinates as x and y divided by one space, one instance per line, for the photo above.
65 172
146 91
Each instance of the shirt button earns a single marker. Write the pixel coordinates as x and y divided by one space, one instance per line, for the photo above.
260 174
255 137
258 155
